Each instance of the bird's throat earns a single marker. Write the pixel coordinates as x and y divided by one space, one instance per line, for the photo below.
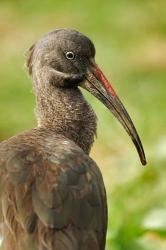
65 111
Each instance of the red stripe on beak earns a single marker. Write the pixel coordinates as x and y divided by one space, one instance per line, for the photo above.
104 80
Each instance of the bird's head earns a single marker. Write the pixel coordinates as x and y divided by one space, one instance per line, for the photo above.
63 55
64 58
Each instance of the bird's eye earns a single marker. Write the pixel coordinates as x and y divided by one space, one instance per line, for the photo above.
70 55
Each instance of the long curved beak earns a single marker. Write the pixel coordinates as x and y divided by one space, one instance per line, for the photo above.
97 84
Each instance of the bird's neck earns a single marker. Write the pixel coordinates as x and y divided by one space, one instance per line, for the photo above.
66 112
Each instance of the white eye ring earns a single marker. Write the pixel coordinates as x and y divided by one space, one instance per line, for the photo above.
70 55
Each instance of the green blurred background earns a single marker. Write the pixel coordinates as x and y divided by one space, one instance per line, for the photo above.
130 39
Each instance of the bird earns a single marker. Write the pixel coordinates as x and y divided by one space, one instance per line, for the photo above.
52 192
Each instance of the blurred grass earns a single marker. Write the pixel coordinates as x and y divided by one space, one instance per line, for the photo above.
130 39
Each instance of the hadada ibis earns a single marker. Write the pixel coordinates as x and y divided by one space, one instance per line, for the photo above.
52 192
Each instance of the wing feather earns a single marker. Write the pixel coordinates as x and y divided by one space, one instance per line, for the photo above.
46 192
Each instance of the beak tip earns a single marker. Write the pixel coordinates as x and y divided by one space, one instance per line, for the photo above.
143 161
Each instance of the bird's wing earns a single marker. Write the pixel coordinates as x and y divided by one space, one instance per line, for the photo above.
47 196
